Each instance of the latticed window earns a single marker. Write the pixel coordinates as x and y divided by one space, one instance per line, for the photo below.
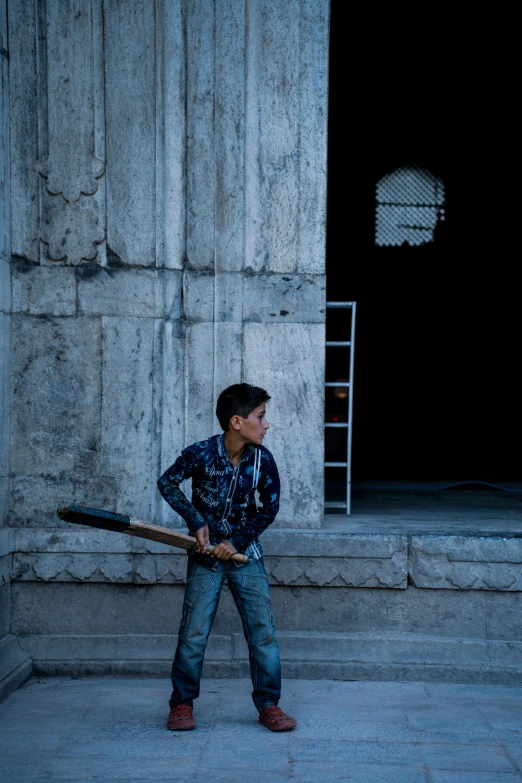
410 204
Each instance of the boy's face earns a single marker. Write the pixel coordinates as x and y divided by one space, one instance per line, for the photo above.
253 428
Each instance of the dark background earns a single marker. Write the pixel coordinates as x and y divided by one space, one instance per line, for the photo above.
437 343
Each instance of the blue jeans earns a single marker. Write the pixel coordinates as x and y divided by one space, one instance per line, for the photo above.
251 593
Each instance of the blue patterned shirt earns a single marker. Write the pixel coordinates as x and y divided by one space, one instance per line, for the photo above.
224 496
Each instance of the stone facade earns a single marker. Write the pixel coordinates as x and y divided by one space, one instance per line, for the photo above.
162 235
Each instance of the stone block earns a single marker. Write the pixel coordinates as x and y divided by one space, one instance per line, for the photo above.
504 615
5 569
322 543
130 140
127 412
466 563
57 396
284 298
116 291
198 296
229 297
313 116
171 175
171 437
114 647
43 290
5 286
272 132
201 421
7 540
5 609
24 119
5 393
4 498
76 539
121 291
230 26
201 153
278 359
35 499
352 610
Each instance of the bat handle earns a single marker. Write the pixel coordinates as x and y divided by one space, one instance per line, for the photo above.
238 557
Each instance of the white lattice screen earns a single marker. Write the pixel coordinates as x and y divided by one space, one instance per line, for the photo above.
410 203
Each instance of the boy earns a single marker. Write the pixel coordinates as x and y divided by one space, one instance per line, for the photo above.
226 472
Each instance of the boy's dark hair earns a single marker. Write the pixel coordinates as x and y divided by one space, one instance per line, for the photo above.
240 399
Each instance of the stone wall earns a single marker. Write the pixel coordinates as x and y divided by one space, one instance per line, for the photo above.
168 213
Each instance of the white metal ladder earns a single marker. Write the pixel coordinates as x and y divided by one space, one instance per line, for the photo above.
346 504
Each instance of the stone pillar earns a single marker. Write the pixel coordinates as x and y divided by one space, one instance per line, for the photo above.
15 665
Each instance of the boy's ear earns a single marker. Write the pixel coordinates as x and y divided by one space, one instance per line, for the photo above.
235 422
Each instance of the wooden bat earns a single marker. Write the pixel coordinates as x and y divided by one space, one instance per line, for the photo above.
121 523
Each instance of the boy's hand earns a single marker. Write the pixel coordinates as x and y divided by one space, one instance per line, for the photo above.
224 551
202 537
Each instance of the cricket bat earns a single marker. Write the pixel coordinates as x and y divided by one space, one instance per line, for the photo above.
121 523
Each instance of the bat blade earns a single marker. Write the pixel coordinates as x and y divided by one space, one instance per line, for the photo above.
121 523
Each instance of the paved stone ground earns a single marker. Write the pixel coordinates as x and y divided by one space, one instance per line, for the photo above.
109 730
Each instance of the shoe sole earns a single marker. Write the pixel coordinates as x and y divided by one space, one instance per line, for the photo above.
282 728
181 728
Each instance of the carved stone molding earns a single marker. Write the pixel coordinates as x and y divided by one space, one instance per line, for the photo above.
71 178
72 233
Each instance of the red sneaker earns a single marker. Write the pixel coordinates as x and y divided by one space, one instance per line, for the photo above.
180 718
275 719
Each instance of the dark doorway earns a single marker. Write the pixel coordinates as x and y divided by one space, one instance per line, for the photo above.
436 390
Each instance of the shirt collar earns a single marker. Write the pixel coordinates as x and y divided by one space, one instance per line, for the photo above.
250 449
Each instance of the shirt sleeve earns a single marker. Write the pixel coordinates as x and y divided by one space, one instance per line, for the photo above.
269 488
168 485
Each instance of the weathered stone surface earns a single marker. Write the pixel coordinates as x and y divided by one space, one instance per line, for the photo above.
72 233
59 567
171 437
24 117
35 499
171 99
5 394
313 115
272 136
6 541
201 421
201 152
278 359
127 412
139 293
70 166
230 21
43 290
130 82
284 298
5 285
56 393
74 539
5 609
5 569
198 296
466 563
504 615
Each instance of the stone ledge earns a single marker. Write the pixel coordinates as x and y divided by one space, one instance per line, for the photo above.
466 563
389 656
